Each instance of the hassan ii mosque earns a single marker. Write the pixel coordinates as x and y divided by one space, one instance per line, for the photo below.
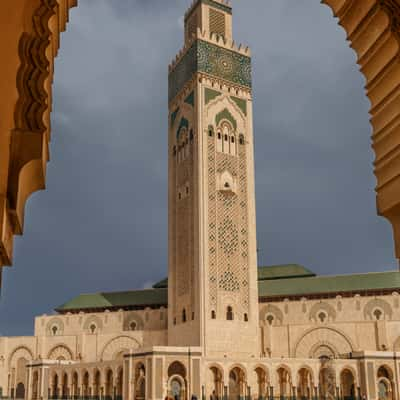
219 327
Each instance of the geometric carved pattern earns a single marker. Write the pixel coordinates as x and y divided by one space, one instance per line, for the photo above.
325 308
185 219
60 352
227 227
113 349
381 305
271 310
313 340
213 60
55 326
93 321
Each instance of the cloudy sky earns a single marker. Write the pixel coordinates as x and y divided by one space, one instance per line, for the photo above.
101 225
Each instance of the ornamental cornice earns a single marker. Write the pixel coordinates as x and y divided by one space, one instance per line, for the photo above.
34 70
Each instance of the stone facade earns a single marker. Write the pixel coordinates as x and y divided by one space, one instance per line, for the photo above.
82 353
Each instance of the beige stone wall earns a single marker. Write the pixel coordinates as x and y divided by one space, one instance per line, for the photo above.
298 328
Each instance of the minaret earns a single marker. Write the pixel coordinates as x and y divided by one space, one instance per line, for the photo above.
213 297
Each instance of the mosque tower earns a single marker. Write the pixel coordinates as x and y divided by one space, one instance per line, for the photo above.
213 295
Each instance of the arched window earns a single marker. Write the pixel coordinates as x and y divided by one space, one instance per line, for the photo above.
175 321
219 135
378 314
322 317
229 313
232 139
270 319
183 315
210 132
54 329
192 315
133 326
92 328
241 139
226 138
246 317
191 135
174 151
213 314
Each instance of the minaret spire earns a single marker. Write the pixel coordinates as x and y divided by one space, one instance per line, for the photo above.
212 295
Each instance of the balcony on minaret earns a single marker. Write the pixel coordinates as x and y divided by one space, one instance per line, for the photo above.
210 16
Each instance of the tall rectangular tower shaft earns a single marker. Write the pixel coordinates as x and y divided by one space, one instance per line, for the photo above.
213 295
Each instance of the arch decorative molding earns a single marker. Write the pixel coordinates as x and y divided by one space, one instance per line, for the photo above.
372 28
322 336
19 352
271 309
380 304
60 351
117 345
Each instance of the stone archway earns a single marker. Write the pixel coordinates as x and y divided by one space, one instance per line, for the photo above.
31 43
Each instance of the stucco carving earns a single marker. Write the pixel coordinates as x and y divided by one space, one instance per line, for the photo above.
133 317
309 342
118 345
93 320
378 309
60 352
55 327
322 308
275 311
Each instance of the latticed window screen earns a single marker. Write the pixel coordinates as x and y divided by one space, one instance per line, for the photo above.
217 22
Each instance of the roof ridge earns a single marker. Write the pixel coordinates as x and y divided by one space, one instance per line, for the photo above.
356 274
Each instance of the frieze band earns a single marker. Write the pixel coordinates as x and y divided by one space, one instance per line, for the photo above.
213 60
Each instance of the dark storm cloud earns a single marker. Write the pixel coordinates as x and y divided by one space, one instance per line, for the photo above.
102 222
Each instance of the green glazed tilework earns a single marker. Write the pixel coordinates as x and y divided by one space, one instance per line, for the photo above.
210 94
213 60
174 115
190 99
242 104
183 124
225 114
211 3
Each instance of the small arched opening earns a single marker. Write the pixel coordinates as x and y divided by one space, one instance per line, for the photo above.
386 386
304 383
347 385
217 383
262 383
140 382
284 383
177 380
109 386
237 384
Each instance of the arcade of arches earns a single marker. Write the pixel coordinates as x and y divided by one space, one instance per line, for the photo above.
219 327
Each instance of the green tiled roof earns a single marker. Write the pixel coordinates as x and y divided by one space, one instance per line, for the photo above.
273 281
133 298
330 284
283 272
161 284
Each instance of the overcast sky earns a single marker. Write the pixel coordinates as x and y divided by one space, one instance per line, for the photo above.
101 225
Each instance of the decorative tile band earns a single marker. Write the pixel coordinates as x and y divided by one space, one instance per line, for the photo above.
213 60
